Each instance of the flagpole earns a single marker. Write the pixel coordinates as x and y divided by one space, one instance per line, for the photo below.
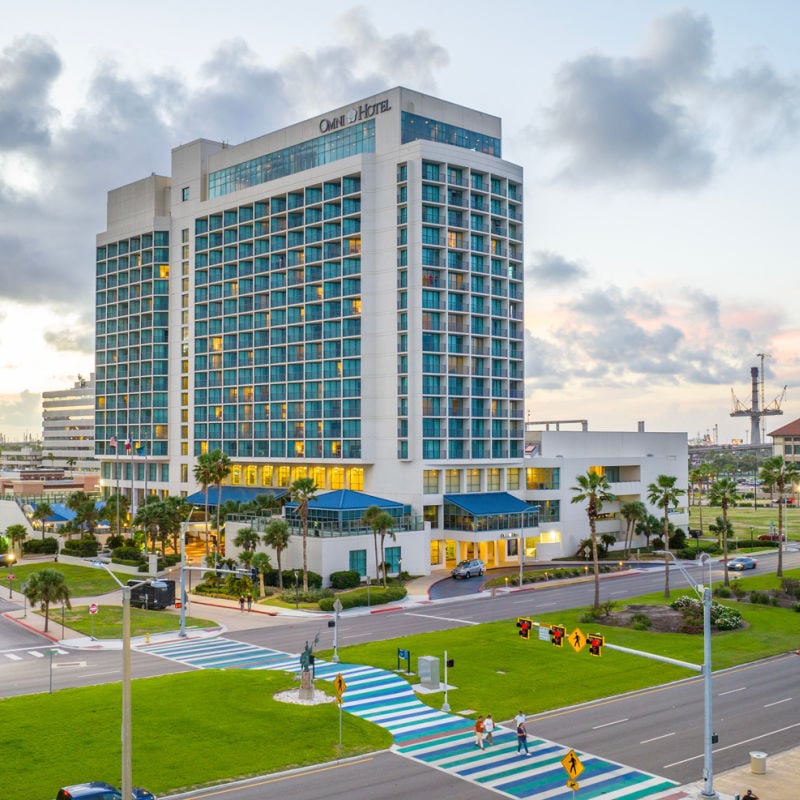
116 457
129 446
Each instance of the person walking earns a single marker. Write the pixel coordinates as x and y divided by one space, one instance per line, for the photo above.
479 733
520 718
488 728
241 602
522 738
249 602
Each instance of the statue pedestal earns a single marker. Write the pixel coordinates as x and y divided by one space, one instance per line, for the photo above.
306 686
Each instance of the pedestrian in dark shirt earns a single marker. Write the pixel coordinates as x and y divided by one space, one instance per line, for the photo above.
522 738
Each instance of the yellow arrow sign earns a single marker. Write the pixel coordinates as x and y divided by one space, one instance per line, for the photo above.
577 640
574 785
572 764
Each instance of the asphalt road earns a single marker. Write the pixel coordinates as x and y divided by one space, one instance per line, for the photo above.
383 774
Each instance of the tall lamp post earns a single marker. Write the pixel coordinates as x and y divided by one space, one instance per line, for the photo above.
127 769
704 593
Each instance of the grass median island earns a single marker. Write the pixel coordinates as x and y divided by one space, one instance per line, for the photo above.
498 672
191 729
108 621
82 581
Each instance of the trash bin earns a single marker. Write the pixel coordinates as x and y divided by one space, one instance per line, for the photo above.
758 762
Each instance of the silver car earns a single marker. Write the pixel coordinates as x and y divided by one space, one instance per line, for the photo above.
466 569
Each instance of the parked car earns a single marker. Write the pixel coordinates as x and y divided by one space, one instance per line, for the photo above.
742 562
466 569
771 537
99 790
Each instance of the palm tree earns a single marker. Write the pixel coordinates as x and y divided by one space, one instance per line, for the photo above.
204 475
117 507
246 539
149 516
276 536
724 493
368 519
17 534
85 508
632 512
382 524
664 493
221 469
776 472
42 511
593 489
721 528
261 562
71 462
302 492
47 586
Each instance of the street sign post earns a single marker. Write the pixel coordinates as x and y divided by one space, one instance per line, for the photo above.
572 765
340 686
92 612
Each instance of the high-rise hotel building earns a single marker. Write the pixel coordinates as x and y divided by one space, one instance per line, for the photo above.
340 299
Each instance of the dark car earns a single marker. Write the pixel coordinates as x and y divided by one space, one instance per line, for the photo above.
742 562
99 790
466 569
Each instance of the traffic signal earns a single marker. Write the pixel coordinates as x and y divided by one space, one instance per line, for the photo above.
524 625
557 634
595 643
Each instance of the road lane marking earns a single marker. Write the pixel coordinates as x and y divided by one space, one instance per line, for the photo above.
444 619
778 702
656 738
733 691
13 656
735 744
606 724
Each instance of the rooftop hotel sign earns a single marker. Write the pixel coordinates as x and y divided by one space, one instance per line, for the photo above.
355 114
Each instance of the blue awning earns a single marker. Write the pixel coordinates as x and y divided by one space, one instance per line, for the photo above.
486 503
348 500
241 494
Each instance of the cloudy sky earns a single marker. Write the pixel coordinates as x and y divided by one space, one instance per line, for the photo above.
659 141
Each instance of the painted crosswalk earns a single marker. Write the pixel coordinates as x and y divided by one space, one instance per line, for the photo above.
441 740
21 655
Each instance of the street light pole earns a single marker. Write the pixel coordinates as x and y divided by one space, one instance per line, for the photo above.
183 584
704 592
127 768
521 555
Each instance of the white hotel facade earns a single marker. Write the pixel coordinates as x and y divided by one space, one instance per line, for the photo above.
341 299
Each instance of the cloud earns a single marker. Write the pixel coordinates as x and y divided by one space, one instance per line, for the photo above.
552 271
17 411
631 119
633 339
28 68
71 340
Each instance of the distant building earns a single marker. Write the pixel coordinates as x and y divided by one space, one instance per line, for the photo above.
786 442
68 428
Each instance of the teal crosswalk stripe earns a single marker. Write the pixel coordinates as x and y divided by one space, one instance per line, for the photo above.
441 740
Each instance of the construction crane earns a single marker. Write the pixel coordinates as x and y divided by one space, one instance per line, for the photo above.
756 411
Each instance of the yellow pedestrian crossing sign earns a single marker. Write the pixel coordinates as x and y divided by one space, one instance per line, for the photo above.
572 764
339 685
577 640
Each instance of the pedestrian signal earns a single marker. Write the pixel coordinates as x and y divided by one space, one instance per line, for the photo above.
524 625
595 643
557 634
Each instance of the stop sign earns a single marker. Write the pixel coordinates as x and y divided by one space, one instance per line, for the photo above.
11 577
93 608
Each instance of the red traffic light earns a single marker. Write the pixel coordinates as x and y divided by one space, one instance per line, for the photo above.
557 635
524 625
595 643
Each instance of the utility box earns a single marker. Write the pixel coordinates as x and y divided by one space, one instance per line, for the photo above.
428 671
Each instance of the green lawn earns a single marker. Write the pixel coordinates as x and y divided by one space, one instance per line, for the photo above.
82 581
108 621
191 729
744 517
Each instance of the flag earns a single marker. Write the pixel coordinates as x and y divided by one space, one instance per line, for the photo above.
112 442
141 450
128 445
